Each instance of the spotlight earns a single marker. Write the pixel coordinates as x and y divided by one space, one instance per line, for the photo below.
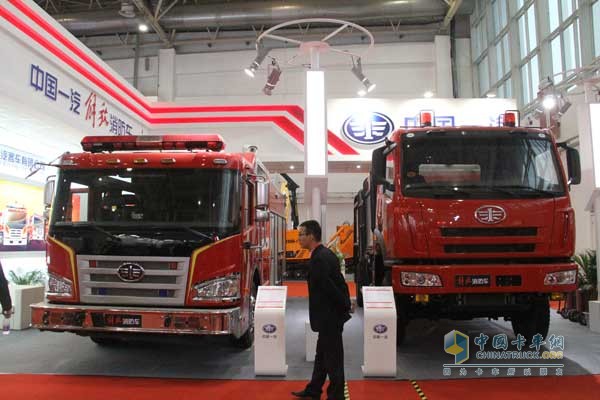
261 54
273 78
564 105
362 92
127 10
491 95
143 27
428 94
358 72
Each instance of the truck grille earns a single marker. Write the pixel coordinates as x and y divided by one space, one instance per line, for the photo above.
490 248
163 283
488 232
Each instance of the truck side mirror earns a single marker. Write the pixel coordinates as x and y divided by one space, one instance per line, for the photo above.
573 166
262 195
49 192
378 166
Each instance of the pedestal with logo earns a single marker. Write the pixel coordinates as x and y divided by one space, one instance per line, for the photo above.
379 332
269 331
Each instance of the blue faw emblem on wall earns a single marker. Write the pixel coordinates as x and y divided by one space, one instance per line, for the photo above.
367 128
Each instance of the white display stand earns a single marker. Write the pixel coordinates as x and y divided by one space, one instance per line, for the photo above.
379 331
23 296
311 342
269 331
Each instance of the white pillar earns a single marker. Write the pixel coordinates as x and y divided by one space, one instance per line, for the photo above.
316 204
443 67
464 68
166 74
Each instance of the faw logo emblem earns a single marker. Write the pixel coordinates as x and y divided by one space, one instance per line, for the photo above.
490 214
130 272
367 128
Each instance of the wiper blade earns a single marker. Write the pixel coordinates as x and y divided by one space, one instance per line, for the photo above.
528 188
91 225
200 234
436 189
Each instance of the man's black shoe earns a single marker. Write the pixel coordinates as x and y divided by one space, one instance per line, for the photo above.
303 394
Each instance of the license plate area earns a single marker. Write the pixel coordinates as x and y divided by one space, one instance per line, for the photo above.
101 320
472 281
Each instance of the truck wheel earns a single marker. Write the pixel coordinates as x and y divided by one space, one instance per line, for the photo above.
247 339
359 279
104 341
402 319
534 321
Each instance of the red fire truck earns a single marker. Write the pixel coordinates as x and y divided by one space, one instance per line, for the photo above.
160 235
469 222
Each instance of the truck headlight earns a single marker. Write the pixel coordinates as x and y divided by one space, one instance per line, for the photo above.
420 279
227 288
561 278
59 286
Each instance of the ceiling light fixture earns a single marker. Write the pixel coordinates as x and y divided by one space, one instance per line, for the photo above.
358 72
273 78
261 54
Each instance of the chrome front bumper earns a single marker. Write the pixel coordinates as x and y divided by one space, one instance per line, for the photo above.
85 318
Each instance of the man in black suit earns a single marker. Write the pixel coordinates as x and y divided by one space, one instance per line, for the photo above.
329 309
5 295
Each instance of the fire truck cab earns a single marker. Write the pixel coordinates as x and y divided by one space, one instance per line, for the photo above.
160 235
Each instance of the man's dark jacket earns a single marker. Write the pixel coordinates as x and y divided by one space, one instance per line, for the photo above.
4 293
329 298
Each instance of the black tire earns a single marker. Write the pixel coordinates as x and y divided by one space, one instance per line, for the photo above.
359 279
582 319
105 341
402 319
247 339
534 321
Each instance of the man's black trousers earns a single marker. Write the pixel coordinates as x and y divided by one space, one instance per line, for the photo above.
329 361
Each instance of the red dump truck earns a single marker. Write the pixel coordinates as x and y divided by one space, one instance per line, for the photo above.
160 235
468 222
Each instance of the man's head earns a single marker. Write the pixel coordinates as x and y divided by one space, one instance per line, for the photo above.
309 234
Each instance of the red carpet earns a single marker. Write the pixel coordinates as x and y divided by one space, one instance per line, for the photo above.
300 288
547 388
43 387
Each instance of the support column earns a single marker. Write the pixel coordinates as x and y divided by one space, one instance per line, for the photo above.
166 74
464 68
443 67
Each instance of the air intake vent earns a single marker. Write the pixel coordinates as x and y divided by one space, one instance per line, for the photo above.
489 248
488 232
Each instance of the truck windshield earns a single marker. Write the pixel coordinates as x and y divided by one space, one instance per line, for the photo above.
145 212
203 199
479 164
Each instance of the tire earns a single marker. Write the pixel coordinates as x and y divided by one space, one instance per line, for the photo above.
359 279
401 319
534 321
105 341
582 319
247 339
